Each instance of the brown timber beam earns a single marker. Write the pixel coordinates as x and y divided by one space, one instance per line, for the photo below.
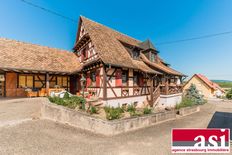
47 83
104 83
166 86
151 91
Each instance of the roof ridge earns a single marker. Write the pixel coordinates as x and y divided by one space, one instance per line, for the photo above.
34 44
206 80
117 31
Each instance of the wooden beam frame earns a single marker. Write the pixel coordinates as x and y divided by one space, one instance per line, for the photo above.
104 83
151 90
47 83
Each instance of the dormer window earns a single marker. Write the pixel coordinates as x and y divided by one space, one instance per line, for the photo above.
152 59
135 54
149 50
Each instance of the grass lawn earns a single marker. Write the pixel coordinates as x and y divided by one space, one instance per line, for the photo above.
225 84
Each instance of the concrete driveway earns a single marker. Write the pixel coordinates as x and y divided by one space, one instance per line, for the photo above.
14 111
47 137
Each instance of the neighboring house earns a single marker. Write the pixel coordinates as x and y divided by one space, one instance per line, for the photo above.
118 69
206 87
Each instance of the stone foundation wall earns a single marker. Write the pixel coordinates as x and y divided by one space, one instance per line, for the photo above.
188 110
87 122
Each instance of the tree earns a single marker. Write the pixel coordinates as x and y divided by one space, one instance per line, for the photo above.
194 95
229 94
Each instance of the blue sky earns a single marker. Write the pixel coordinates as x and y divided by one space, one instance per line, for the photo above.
159 20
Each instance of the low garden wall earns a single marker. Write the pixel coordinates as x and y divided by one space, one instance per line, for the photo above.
188 110
88 122
85 121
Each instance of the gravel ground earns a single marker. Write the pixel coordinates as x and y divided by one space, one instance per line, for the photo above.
13 110
47 137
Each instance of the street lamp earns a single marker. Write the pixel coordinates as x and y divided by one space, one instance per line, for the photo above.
83 80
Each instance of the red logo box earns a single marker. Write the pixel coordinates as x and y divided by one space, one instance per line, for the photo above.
200 140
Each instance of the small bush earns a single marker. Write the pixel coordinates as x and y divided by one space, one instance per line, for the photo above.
93 110
66 95
70 102
193 94
147 111
229 94
186 102
113 113
57 100
131 108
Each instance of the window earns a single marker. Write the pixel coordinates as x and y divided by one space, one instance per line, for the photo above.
25 81
124 77
84 53
135 54
172 80
39 81
153 57
136 79
118 77
52 81
61 81
93 78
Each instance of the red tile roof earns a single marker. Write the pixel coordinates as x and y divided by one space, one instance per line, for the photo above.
25 56
208 82
108 44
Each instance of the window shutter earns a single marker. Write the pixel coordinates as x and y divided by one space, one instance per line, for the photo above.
88 80
141 80
98 78
118 77
86 54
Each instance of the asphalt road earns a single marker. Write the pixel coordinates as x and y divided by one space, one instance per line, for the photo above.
47 137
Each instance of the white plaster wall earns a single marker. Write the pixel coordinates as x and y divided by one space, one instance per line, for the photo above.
111 94
131 91
112 82
130 81
169 100
100 93
130 100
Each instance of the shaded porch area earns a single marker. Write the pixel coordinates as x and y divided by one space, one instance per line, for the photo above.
36 84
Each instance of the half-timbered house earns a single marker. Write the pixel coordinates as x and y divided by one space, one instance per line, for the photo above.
118 69
122 70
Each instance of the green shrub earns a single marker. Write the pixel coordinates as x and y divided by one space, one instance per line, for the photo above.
70 102
131 108
186 102
147 111
66 95
93 110
57 100
229 94
193 94
113 113
136 113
